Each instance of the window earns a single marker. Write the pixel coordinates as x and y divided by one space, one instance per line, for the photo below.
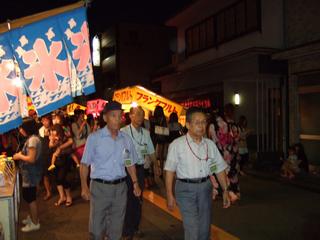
232 22
189 42
240 12
210 32
252 15
220 27
195 38
200 36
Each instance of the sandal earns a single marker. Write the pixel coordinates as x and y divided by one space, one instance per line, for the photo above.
68 203
59 203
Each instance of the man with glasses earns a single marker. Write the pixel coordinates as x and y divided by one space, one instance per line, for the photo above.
145 149
192 159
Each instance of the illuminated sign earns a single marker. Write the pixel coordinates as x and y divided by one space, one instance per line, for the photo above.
146 99
94 107
203 103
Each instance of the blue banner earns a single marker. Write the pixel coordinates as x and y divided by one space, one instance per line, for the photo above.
43 62
9 91
76 36
49 60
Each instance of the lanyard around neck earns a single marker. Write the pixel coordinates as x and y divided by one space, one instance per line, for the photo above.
141 138
200 159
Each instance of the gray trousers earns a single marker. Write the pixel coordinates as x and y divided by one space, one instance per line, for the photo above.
107 208
195 203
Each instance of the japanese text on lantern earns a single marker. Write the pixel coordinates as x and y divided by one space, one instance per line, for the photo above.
123 96
204 103
154 101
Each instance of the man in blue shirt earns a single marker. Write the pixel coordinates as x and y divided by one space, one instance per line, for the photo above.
108 152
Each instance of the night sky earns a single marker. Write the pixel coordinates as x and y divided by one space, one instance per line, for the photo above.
101 13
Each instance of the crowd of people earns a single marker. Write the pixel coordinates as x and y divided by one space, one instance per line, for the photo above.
197 162
46 150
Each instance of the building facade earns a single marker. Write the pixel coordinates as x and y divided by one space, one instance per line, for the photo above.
130 53
302 51
225 50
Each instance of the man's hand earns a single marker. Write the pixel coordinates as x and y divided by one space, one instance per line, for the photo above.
171 202
85 193
136 189
226 199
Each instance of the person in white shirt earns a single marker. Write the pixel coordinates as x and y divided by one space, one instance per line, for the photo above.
192 159
145 151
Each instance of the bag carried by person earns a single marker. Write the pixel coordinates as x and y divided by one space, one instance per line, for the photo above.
164 131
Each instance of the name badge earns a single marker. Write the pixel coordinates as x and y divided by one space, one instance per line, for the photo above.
126 157
144 150
213 168
128 162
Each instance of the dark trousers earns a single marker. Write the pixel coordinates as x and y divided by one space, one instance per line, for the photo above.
134 205
61 174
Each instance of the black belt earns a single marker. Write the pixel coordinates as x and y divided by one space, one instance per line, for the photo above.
194 180
120 180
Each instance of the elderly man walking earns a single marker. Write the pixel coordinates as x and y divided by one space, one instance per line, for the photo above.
145 149
193 158
108 152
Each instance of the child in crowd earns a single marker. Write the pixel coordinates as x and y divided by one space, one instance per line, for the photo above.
58 118
291 166
54 159
55 142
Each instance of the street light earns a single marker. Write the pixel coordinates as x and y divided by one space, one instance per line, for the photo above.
237 99
96 51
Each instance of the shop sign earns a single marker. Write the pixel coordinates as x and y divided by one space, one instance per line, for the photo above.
94 107
203 103
146 99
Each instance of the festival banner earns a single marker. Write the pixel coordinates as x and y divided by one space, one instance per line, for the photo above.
9 91
43 62
75 31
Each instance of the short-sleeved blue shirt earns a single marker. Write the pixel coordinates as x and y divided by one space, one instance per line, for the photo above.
107 156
